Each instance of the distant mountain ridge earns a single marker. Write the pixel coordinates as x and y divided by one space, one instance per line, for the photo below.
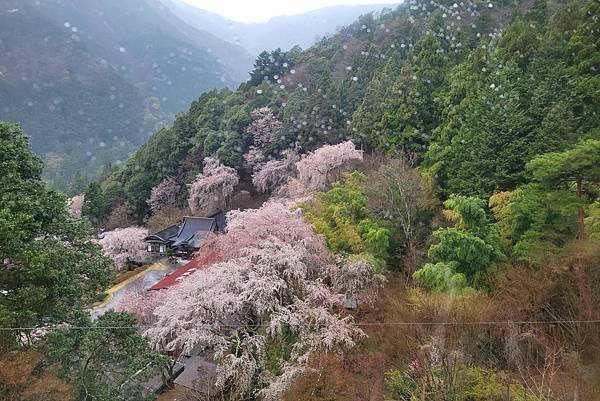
279 32
152 48
91 80
77 109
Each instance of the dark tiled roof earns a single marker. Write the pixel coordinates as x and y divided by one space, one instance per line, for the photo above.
190 232
199 374
193 230
221 221
166 233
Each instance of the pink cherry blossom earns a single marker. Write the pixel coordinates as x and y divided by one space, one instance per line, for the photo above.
75 204
165 195
275 173
125 245
321 168
211 190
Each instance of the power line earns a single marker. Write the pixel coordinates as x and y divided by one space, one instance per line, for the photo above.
364 324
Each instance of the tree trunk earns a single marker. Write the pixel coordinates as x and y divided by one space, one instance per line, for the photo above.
580 214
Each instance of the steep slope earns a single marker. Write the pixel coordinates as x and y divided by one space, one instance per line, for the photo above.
474 90
280 32
79 112
152 48
90 80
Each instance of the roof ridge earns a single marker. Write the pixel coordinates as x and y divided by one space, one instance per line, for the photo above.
199 217
163 229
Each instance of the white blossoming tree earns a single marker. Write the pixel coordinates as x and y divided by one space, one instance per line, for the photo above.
275 173
212 189
274 277
75 204
236 307
357 280
165 195
248 228
264 130
142 304
321 168
125 245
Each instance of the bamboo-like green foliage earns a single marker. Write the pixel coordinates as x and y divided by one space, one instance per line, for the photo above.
341 216
471 247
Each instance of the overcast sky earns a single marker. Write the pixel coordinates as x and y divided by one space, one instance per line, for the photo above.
262 10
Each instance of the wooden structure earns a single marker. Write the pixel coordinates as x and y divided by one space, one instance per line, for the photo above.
184 238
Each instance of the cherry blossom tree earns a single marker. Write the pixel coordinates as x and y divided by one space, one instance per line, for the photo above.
254 159
270 274
235 307
75 204
264 130
321 168
212 189
142 304
125 245
275 173
248 228
166 195
357 280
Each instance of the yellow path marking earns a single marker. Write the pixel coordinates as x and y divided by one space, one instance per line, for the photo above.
109 292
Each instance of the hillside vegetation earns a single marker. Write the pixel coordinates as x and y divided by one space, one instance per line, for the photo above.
475 91
91 80
413 210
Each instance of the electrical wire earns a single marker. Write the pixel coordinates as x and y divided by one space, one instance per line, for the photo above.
363 324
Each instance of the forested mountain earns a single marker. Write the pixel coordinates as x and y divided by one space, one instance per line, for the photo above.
412 213
282 32
474 89
152 48
78 110
91 80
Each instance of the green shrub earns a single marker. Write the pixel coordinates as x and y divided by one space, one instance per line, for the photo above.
469 384
440 277
400 385
471 247
340 215
477 384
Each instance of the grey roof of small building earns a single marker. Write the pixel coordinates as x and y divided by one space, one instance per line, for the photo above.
166 233
190 232
221 221
199 374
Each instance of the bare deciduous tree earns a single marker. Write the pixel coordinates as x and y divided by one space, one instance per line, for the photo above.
397 193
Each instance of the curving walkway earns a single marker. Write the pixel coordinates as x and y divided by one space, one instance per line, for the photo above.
138 282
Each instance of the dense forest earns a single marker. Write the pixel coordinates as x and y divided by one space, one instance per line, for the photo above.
475 91
413 214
